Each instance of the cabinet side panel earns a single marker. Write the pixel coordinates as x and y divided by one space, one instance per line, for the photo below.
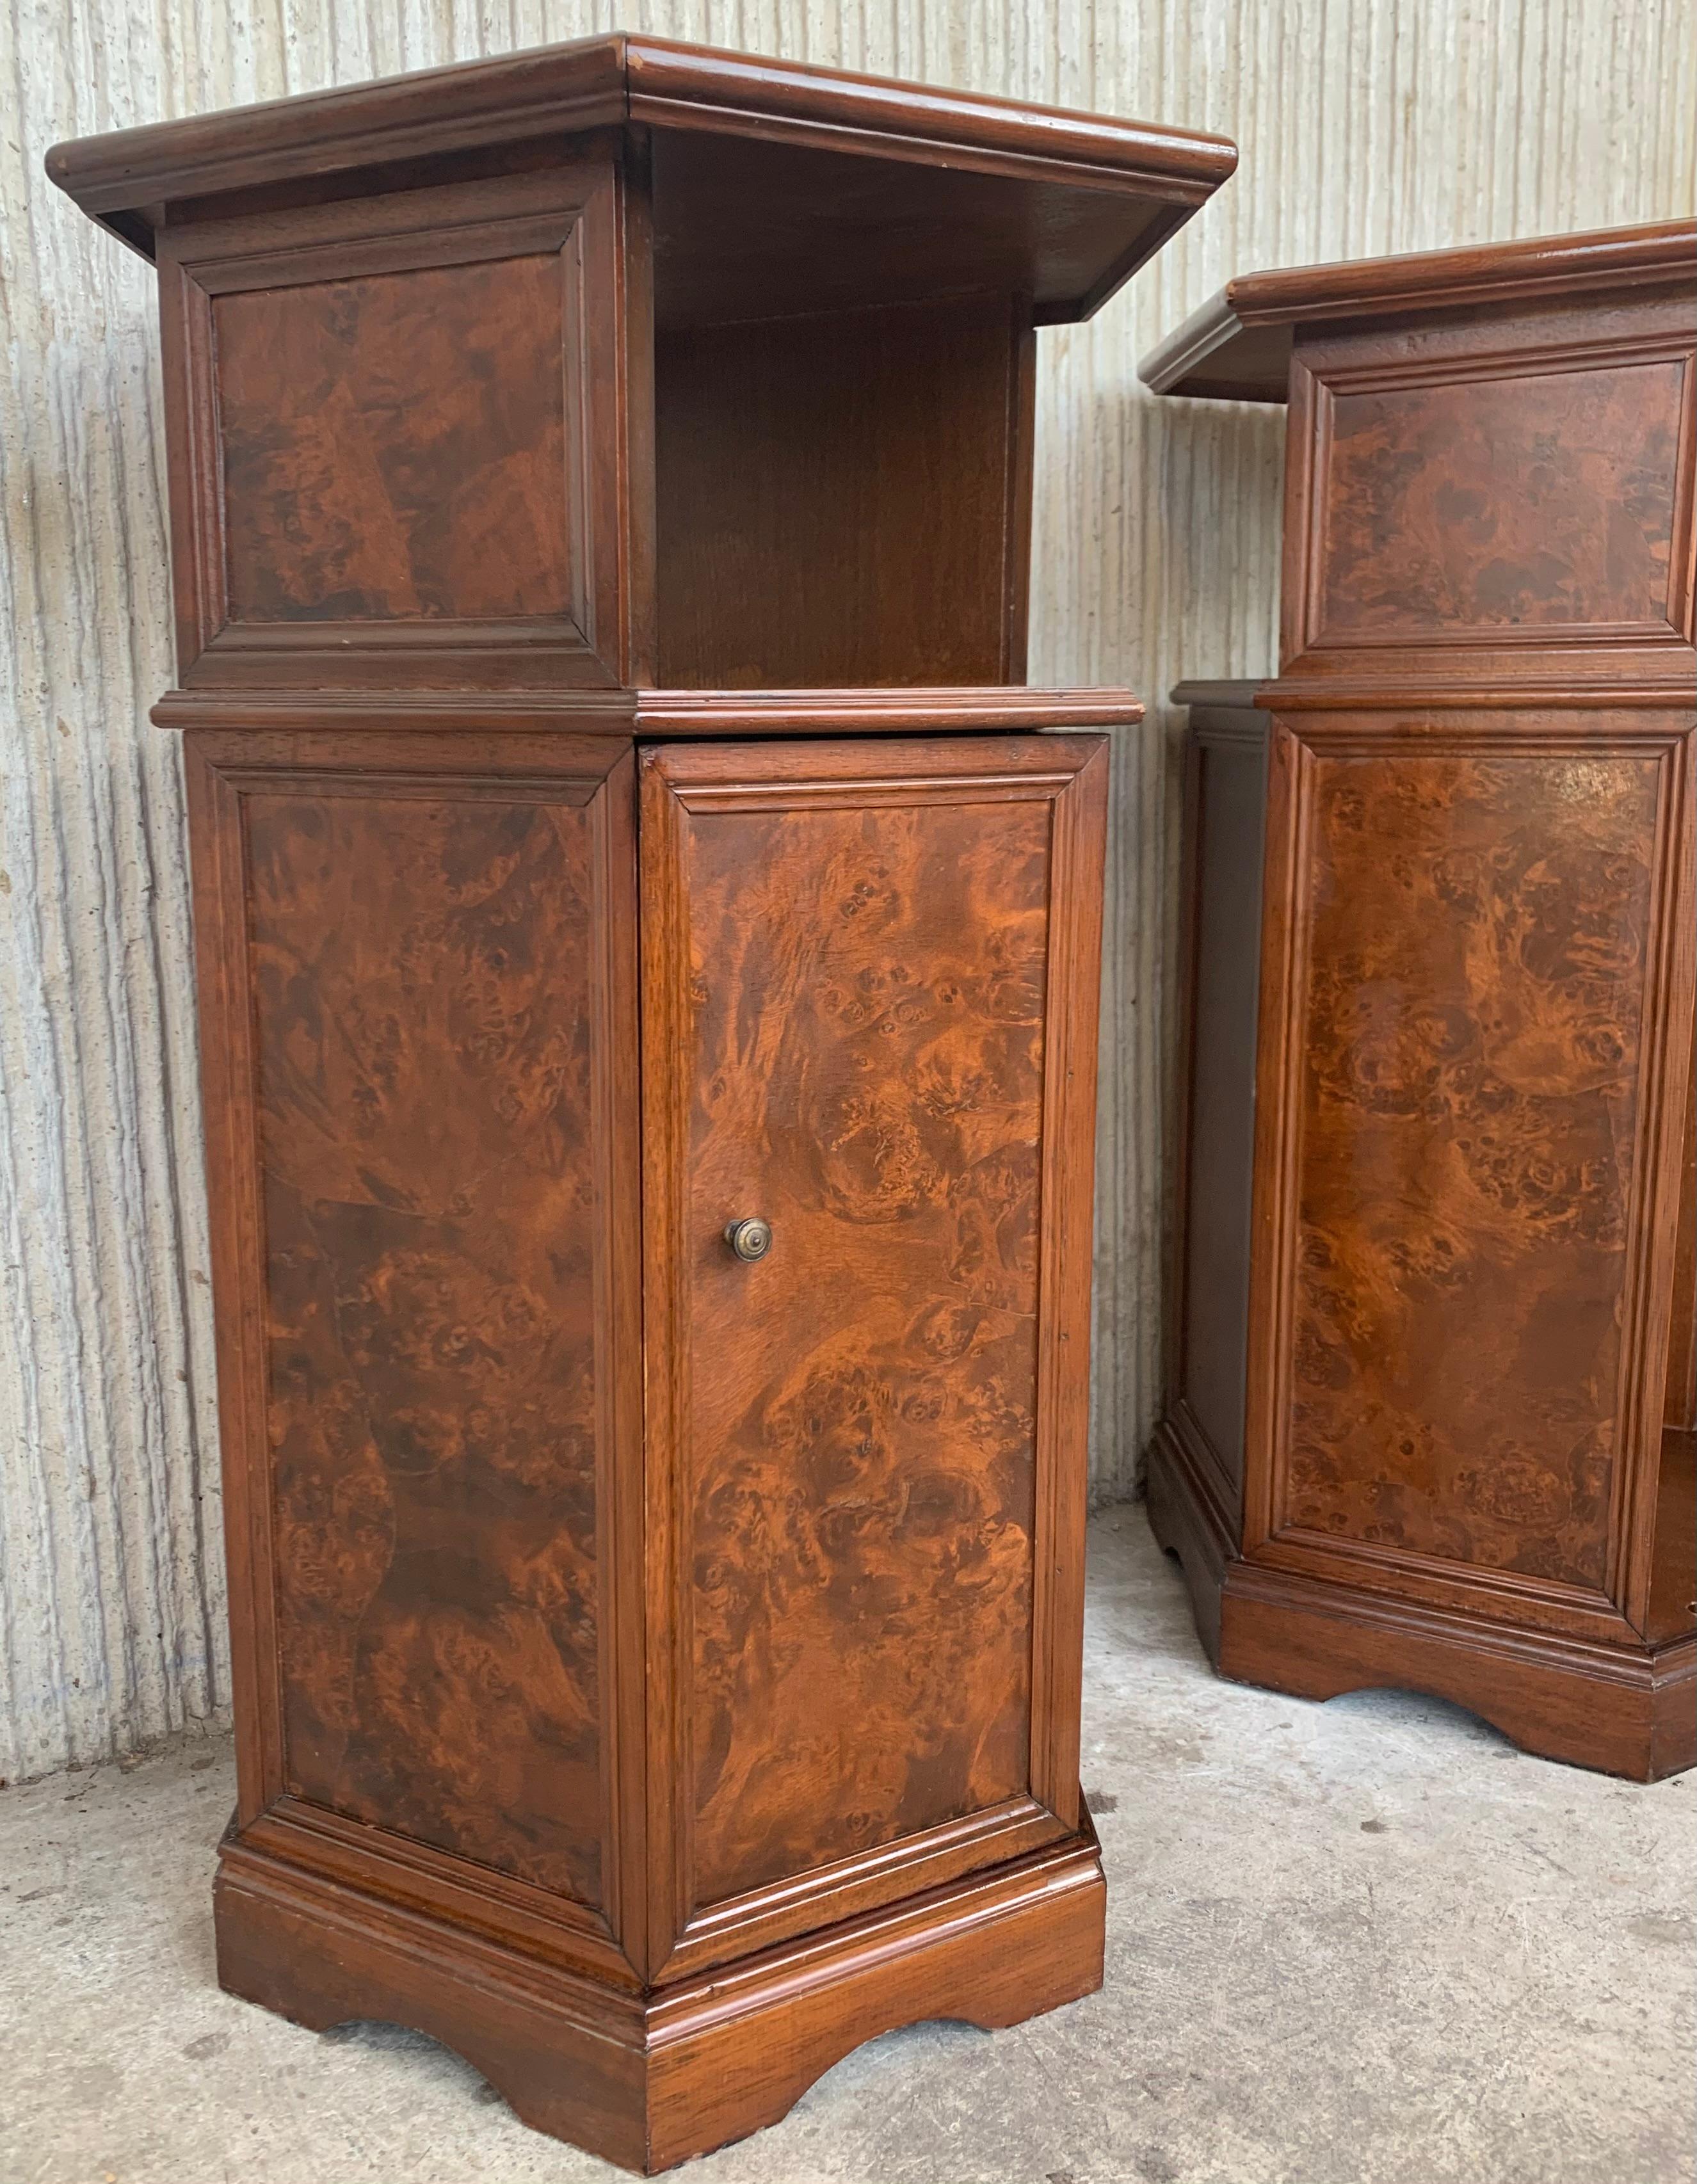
394 445
1680 1410
1503 494
399 427
1671 1612
1475 1035
423 992
1671 1609
226 1031
1228 815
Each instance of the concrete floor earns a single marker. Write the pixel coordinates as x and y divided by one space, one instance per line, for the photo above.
1355 1944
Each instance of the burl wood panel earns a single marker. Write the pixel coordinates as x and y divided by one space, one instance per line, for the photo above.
1420 536
394 445
1470 1100
423 1005
843 500
867 1033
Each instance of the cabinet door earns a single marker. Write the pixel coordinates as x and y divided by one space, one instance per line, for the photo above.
870 1021
417 974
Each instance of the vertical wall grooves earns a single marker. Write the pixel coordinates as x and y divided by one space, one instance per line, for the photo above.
1362 128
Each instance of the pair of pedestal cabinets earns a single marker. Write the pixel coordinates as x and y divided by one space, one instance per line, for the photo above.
648 938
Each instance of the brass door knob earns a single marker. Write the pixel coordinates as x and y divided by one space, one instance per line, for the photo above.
749 1240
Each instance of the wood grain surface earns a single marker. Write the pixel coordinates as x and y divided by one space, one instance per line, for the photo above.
650 2080
401 439
910 144
868 968
426 1020
1225 812
843 499
1471 1033
394 445
1420 536
1680 1407
869 1044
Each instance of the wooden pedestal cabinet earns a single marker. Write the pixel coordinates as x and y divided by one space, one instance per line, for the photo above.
1431 1413
648 946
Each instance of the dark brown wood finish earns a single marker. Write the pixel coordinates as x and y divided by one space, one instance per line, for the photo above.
1470 1287
663 715
1238 346
601 485
1465 1041
1681 1414
1673 1603
1225 814
845 497
1411 547
475 491
909 147
648 2082
1411 566
422 973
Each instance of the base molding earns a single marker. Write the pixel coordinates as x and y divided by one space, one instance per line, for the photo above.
650 2079
1185 1519
1622 1710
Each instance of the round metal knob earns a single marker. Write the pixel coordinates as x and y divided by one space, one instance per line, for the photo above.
749 1240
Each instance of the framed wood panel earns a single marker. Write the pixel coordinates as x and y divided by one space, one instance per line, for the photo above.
1404 556
416 964
869 993
1476 974
397 427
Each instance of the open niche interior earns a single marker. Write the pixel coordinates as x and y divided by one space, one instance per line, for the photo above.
843 497
843 352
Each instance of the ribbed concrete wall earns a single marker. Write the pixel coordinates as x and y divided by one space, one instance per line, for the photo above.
1365 126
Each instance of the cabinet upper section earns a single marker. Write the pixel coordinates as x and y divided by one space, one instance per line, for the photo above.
1490 456
1239 345
618 363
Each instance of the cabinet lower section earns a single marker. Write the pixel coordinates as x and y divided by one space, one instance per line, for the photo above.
649 2080
1623 1709
1429 1414
656 1663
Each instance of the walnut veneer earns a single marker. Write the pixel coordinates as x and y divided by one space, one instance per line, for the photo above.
600 489
1430 1408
